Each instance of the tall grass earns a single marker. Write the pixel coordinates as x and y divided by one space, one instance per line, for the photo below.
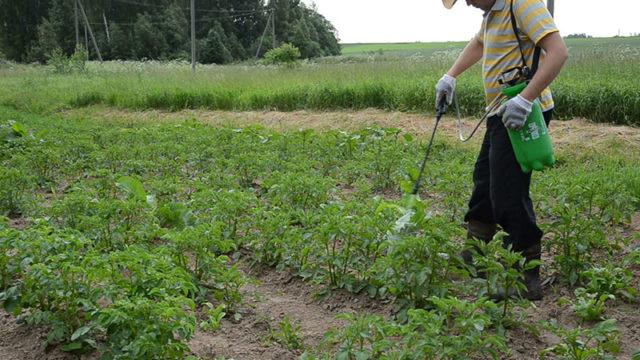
599 83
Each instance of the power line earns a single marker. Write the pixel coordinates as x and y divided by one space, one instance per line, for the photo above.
164 22
222 11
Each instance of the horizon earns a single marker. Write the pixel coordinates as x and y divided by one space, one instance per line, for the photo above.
463 41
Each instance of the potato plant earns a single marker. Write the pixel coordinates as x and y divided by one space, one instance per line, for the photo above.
136 227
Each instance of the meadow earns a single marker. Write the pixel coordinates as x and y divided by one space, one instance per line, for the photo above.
599 83
130 233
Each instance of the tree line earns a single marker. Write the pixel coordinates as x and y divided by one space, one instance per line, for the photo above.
226 30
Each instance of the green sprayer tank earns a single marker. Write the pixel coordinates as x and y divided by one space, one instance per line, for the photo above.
531 144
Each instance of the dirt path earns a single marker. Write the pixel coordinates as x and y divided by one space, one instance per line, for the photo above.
272 296
565 133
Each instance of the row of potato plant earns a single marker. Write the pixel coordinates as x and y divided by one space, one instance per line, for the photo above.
327 206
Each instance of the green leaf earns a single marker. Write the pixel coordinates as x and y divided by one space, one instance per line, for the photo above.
18 129
414 173
133 187
12 306
72 346
80 332
407 186
403 221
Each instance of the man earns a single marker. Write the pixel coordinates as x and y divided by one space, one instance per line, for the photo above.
501 189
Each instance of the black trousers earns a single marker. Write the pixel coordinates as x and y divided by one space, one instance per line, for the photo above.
501 189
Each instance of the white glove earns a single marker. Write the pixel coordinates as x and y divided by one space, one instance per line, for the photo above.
515 112
445 87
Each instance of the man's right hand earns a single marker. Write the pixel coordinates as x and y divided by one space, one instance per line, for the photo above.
446 87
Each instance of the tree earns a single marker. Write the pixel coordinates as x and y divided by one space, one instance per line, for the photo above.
149 40
119 47
45 44
229 30
19 22
214 49
175 28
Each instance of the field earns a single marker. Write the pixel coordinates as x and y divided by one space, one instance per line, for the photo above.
254 212
599 83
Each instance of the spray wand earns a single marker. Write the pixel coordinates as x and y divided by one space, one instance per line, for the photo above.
440 110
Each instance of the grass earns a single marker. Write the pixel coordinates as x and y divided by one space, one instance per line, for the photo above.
599 83
398 48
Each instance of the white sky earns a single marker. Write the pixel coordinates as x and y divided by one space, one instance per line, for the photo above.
427 20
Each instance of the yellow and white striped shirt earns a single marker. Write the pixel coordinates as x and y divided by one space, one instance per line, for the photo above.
501 51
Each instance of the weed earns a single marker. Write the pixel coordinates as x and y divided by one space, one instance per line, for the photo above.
598 342
590 306
610 280
214 316
288 334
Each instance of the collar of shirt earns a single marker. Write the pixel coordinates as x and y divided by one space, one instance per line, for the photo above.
497 6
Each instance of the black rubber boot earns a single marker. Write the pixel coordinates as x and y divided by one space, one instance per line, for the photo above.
532 277
479 231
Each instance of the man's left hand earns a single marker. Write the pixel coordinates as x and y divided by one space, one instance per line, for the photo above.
515 112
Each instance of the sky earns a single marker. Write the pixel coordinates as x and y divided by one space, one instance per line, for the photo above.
372 21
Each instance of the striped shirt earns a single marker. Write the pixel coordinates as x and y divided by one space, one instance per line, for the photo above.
501 51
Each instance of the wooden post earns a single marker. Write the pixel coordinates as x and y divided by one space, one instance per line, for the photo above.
75 12
273 26
193 35
86 40
106 27
86 22
266 27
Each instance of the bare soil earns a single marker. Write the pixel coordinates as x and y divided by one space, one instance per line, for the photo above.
273 295
269 298
23 342
576 132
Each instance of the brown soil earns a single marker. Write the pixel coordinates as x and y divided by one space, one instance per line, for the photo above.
270 298
571 132
22 342
18 223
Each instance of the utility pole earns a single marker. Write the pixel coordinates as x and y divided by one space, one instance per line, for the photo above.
106 27
86 41
193 35
266 27
551 6
88 26
273 25
75 12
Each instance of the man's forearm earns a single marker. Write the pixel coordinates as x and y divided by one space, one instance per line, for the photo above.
471 54
555 57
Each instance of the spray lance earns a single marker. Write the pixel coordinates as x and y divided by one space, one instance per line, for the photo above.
441 109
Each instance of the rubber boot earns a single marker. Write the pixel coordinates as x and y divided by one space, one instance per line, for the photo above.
532 276
480 231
